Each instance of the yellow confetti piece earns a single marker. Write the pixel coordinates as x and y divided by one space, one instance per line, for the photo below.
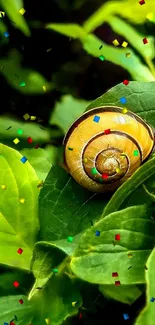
16 141
85 160
118 170
74 303
22 11
33 118
124 110
130 255
124 44
2 14
40 185
47 320
26 116
3 187
22 200
128 54
115 42
44 88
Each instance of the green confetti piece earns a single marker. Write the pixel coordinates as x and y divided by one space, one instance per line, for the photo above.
94 171
20 132
55 270
70 239
70 149
101 57
136 153
22 84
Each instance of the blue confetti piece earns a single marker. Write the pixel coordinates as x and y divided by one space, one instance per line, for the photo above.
97 233
123 100
96 119
152 299
23 159
126 316
6 34
6 323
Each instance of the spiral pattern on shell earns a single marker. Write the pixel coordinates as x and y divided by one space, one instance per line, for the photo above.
105 146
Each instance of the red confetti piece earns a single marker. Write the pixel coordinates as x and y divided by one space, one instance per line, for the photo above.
145 41
16 284
117 237
125 82
21 301
20 251
80 316
104 176
29 140
107 131
117 283
37 146
12 323
114 274
142 2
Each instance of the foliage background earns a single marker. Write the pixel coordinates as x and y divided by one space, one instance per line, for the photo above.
74 75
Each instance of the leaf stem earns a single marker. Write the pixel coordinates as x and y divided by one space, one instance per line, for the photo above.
150 65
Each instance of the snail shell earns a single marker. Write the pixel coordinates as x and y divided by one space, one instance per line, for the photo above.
105 146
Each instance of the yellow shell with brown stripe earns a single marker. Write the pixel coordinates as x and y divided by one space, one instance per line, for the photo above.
104 147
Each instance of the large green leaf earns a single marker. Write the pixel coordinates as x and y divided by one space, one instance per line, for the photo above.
126 294
70 107
147 315
132 11
97 257
24 80
71 30
65 208
124 192
19 220
11 8
7 279
133 65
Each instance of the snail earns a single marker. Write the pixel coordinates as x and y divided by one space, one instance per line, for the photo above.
105 146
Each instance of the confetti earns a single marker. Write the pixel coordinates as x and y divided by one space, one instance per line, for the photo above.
33 118
6 34
124 44
80 316
107 131
22 84
21 301
71 149
91 222
123 100
124 110
96 119
85 160
118 170
97 233
145 41
16 141
55 270
115 42
44 88
142 2
26 116
2 14
152 299
9 128
20 251
117 237
47 320
70 239
114 274
129 267
23 159
40 184
128 54
29 140
136 153
130 255
12 323
145 267
20 132
49 51
6 323
126 316
105 176
117 283
94 171
100 47
37 146
101 57
125 82
74 303
3 187
16 284
22 11
22 200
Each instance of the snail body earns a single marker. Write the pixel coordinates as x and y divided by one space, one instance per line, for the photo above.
105 146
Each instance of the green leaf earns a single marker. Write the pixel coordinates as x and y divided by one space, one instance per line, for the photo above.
125 190
48 255
135 38
70 30
24 80
39 161
147 315
126 294
111 8
19 220
65 208
133 65
68 107
97 257
11 9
